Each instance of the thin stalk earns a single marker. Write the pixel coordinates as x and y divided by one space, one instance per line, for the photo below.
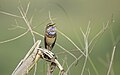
71 41
15 37
111 61
27 23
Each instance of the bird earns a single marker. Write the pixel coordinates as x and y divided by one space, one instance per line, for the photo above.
50 36
49 42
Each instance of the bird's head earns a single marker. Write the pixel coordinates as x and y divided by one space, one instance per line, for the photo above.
51 28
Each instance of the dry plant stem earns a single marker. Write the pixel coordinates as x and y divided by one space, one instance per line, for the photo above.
60 67
53 59
88 31
66 51
95 38
100 32
63 64
50 18
26 66
28 5
15 37
9 14
111 61
28 24
29 60
86 48
94 68
73 63
71 42
67 67
105 27
48 69
24 15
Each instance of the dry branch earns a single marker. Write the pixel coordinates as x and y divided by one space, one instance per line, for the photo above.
32 57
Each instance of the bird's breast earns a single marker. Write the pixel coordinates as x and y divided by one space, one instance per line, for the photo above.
50 40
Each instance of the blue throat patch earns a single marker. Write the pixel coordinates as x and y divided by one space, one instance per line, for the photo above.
51 33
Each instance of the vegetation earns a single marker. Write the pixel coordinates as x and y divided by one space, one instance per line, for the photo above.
85 45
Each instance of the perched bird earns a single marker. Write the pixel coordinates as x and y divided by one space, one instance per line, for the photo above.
49 41
50 36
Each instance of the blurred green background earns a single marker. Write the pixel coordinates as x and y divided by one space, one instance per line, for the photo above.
70 16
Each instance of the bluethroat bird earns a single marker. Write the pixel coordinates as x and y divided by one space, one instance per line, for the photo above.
50 36
49 41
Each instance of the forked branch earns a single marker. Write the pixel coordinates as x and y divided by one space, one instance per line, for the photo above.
30 59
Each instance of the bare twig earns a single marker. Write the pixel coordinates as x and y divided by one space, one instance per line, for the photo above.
88 29
24 15
29 60
65 58
50 18
66 51
71 41
111 61
105 27
28 5
94 68
26 21
86 47
10 14
15 37
73 63
63 52
16 26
